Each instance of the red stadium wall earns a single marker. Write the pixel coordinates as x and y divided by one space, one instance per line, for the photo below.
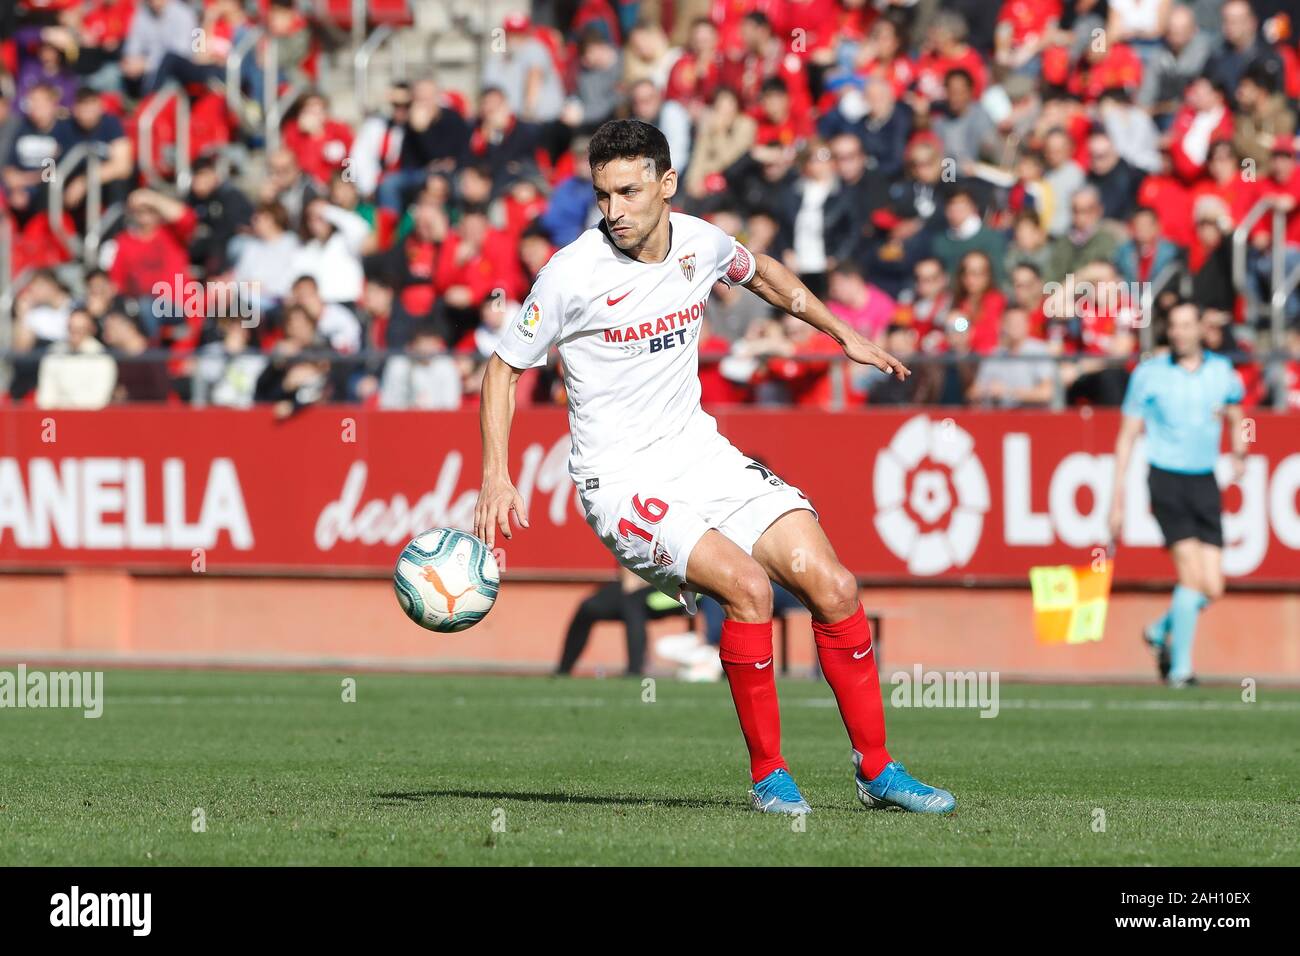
173 535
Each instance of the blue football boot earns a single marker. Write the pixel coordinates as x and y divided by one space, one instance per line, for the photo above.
895 787
778 793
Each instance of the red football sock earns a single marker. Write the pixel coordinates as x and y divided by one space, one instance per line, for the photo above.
743 649
848 659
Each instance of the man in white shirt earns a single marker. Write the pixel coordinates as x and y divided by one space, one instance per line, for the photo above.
673 500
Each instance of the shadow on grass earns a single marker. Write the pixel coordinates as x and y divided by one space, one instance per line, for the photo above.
398 798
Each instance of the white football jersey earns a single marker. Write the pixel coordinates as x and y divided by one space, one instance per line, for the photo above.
628 338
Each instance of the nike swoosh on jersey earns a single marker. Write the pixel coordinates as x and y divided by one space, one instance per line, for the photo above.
610 301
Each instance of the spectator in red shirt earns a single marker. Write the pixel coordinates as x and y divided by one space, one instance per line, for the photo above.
1025 27
767 55
1168 193
475 262
779 124
321 144
885 54
979 300
697 74
1204 118
946 50
1226 181
152 261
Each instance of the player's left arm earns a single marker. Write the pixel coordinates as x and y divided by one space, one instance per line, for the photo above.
778 286
1237 436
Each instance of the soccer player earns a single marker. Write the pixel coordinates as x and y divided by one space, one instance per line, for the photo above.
1181 399
673 500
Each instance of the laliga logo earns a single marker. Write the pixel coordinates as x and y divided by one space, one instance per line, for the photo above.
931 495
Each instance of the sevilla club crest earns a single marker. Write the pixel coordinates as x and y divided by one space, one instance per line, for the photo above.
687 263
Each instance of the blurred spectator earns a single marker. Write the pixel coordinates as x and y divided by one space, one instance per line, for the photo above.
646 55
332 242
886 128
724 135
1203 119
1210 258
850 230
335 323
600 70
226 371
159 27
151 261
1131 130
1175 62
292 380
1086 240
265 259
967 232
43 55
1240 46
1064 177
649 106
377 149
425 377
945 50
572 207
77 372
1028 244
139 379
319 143
964 127
900 341
288 185
33 151
435 138
1263 120
89 124
862 305
1286 378
1145 255
979 300
808 255
1114 179
1028 294
953 380
525 73
696 76
1010 378
931 302
222 211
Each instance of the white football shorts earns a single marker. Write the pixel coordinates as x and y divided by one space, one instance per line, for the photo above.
651 518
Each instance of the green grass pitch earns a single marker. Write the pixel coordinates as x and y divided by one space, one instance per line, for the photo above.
528 770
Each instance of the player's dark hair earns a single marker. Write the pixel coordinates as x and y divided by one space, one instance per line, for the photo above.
629 139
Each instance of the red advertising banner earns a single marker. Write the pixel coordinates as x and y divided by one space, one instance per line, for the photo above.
907 495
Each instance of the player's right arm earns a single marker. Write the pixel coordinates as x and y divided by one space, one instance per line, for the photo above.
1129 430
498 496
524 344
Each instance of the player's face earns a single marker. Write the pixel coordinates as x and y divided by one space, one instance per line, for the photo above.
1184 330
632 198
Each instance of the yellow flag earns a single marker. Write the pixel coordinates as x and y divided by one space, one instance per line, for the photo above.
1070 602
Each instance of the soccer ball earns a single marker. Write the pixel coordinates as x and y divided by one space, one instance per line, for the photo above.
446 580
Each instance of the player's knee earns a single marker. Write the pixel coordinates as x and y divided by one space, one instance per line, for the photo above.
749 596
837 595
1212 587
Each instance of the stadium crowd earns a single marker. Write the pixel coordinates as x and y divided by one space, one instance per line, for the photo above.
1001 194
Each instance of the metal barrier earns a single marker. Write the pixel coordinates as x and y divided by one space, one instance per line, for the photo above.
172 91
234 70
97 221
1281 284
361 63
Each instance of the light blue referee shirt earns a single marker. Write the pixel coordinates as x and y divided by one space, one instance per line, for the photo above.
1183 410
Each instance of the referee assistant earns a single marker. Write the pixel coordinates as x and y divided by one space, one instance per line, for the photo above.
1182 398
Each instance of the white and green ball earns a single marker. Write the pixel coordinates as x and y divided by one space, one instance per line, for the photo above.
446 580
